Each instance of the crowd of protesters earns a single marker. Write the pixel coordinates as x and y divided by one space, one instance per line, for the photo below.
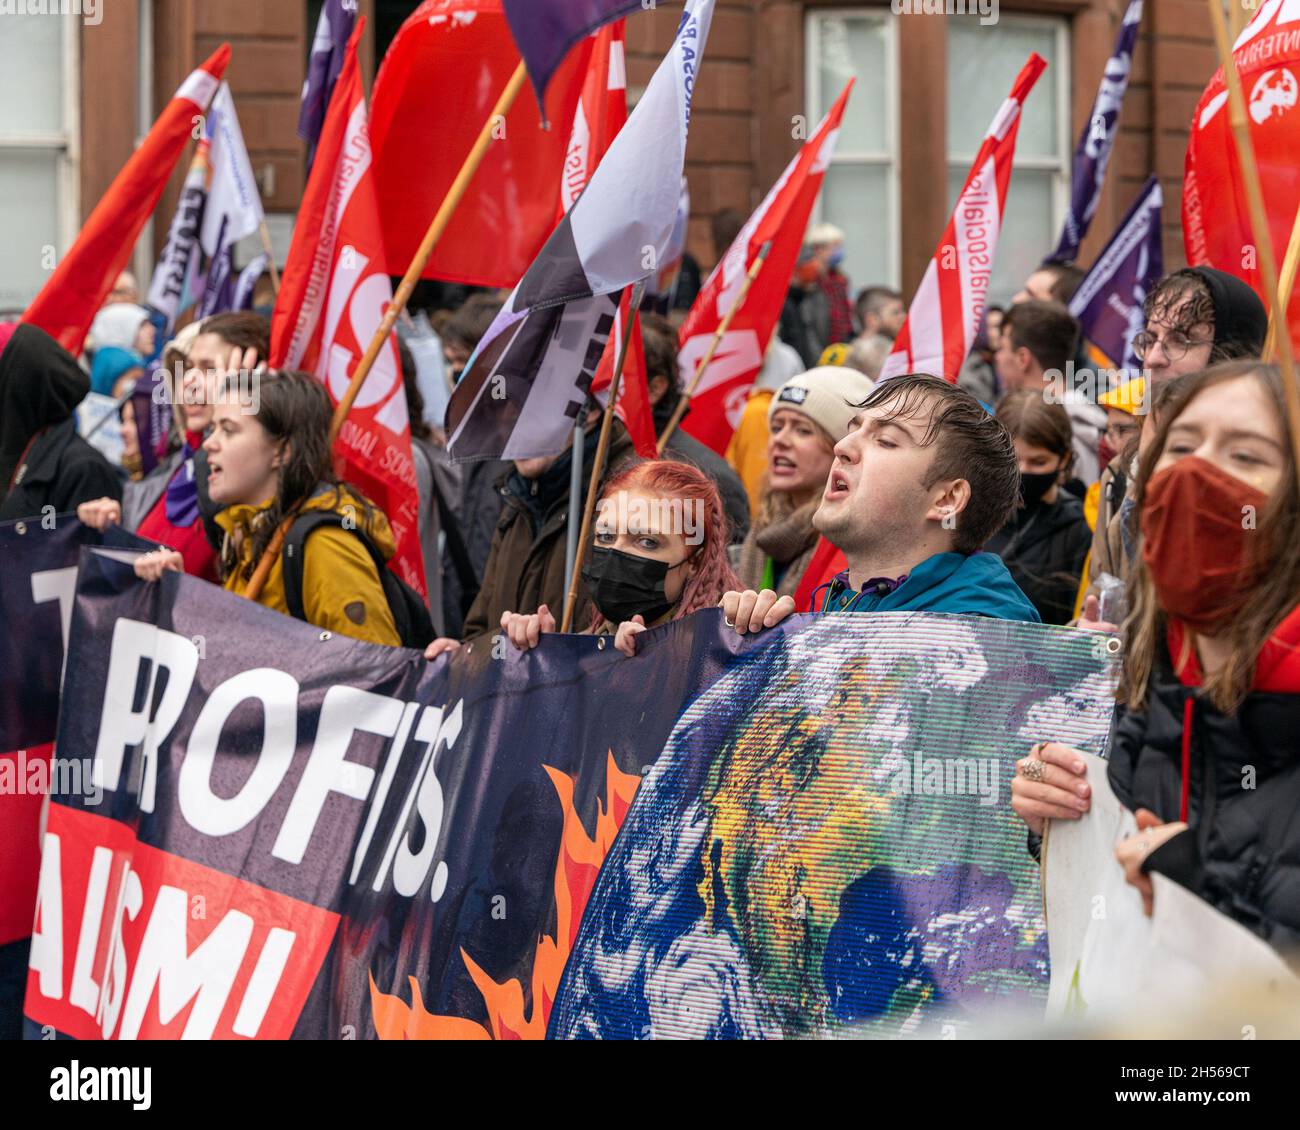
1029 490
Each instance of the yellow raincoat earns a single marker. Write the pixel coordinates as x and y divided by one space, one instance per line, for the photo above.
341 591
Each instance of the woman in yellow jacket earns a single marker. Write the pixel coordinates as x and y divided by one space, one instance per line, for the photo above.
275 462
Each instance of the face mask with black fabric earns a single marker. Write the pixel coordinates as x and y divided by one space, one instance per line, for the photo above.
623 585
1033 485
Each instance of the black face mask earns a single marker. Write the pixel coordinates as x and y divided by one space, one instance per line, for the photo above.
623 585
1034 485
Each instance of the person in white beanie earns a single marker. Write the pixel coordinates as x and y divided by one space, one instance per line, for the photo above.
808 415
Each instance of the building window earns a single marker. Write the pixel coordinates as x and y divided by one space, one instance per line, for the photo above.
38 117
860 192
982 64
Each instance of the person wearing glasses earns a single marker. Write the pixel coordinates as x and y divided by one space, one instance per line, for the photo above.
1194 318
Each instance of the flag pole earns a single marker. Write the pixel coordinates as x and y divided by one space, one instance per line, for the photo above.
270 256
684 401
1285 283
1259 222
575 498
598 463
400 298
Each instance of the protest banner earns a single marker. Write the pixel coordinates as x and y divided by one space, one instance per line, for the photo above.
37 579
289 833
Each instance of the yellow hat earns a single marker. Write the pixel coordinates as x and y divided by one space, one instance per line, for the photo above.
835 354
1129 397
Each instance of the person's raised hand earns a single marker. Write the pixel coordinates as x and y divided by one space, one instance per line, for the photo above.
1050 784
1090 620
1133 851
625 637
100 514
443 645
241 361
152 565
751 611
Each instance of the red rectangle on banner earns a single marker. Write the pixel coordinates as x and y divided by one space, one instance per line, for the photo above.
135 943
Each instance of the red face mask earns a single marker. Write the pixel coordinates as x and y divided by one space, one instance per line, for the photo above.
1196 520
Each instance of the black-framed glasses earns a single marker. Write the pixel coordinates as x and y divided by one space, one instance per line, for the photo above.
1175 344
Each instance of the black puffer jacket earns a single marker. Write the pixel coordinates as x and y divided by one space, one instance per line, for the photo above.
1241 853
1044 548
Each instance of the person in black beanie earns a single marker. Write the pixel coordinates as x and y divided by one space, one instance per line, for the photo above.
1195 318
43 461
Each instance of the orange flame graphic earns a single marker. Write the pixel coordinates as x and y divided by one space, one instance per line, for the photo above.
576 868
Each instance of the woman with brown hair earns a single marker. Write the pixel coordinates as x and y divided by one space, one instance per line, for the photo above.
272 462
1045 542
808 415
1205 749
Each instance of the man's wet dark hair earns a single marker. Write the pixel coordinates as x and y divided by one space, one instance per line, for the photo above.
969 443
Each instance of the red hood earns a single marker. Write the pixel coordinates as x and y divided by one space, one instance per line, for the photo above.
1278 669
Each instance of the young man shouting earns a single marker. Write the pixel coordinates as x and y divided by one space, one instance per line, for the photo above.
924 477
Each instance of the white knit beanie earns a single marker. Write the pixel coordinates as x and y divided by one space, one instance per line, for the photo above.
828 395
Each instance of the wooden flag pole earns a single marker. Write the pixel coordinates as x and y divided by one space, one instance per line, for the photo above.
598 463
270 256
436 228
1259 222
718 334
1235 22
1284 285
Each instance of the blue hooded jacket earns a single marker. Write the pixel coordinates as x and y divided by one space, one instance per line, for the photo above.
977 584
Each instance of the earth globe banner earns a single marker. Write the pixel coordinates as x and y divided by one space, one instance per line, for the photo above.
262 830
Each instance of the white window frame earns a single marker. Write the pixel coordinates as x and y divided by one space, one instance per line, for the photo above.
66 141
888 157
1061 164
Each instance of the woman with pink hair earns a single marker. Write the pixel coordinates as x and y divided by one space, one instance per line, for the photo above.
659 553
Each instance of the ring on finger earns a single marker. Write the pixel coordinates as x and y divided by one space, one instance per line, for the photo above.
1031 769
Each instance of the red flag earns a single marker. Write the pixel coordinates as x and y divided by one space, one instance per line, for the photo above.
67 304
600 114
942 320
1217 231
633 403
782 219
333 295
438 85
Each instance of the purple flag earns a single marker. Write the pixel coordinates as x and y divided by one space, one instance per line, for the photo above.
1109 301
544 30
333 30
1093 153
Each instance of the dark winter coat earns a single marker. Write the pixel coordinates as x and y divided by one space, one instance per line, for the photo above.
43 462
1241 853
1044 548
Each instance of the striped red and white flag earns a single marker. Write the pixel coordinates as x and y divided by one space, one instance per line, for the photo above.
946 310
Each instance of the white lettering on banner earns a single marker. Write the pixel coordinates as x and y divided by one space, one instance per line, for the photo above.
46 959
410 868
220 816
60 585
122 724
85 989
344 711
142 654
202 977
